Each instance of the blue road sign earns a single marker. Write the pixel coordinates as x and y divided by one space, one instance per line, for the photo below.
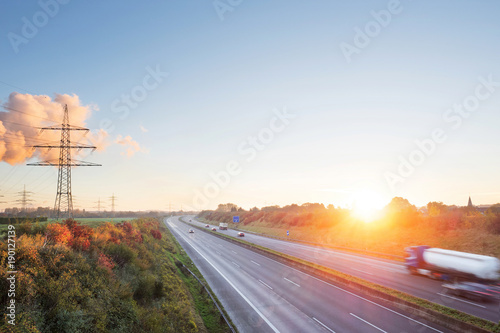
288 233
236 219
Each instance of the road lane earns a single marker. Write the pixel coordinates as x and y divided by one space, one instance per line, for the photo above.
290 300
389 273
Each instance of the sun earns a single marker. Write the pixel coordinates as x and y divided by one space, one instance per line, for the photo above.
367 205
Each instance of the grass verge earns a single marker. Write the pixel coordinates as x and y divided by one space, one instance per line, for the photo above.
405 300
204 305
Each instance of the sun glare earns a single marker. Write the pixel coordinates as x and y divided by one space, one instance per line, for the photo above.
367 205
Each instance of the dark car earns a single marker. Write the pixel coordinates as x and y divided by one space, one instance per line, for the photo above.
472 290
213 229
191 231
240 234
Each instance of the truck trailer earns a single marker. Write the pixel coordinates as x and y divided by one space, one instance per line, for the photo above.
223 226
451 265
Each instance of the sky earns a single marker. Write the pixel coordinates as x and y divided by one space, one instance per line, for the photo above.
201 102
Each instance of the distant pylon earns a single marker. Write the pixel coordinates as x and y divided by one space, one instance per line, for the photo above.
113 198
24 198
98 206
63 206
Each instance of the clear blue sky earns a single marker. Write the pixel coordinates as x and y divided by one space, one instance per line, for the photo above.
354 119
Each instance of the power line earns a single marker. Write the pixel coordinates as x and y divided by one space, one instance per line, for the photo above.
98 206
24 198
13 86
27 114
64 197
113 198
20 180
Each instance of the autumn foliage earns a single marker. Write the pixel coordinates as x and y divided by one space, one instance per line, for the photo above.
400 225
113 278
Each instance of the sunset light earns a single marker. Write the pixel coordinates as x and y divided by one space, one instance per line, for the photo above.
367 205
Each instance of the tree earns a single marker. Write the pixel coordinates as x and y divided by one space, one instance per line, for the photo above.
435 208
399 204
495 209
229 207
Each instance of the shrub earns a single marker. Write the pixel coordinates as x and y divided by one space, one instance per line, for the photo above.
121 253
156 234
59 233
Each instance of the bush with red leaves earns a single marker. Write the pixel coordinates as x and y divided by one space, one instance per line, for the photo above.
59 233
156 234
106 262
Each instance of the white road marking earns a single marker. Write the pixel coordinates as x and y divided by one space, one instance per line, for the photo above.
328 328
461 300
218 252
234 287
291 282
256 263
235 264
354 269
355 295
381 330
266 284
234 252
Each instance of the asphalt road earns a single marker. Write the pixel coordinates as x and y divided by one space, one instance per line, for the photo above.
389 273
262 295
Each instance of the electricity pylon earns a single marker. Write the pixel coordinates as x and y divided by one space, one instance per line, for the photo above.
98 206
113 198
64 198
24 200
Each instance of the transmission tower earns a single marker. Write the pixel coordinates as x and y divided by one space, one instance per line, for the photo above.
113 198
63 206
24 200
98 206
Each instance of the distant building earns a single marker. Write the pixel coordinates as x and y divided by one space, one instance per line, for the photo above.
480 208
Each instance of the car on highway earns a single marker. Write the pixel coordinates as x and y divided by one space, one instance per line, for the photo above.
471 290
191 231
240 234
214 229
207 226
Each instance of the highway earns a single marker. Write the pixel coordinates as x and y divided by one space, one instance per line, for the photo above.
262 295
389 273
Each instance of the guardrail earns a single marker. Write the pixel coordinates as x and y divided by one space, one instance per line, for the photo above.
452 319
213 299
350 249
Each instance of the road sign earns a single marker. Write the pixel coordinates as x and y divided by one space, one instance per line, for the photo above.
236 219
288 233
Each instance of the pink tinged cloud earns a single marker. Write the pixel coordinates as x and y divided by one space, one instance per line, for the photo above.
132 146
19 131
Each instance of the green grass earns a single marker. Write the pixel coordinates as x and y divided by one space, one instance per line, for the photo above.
203 303
343 278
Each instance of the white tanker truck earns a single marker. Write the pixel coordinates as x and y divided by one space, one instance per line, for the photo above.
452 265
